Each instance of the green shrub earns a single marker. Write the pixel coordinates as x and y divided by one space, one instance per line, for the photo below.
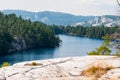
5 64
93 53
104 49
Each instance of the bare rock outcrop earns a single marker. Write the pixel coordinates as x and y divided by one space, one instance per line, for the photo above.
71 68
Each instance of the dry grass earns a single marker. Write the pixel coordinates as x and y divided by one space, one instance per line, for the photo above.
96 71
33 64
117 54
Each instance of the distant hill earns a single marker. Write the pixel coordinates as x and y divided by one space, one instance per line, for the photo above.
59 18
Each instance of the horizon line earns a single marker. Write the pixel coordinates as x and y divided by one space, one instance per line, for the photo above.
58 12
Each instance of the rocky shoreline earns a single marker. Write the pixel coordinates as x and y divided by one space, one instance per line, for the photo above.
71 68
116 38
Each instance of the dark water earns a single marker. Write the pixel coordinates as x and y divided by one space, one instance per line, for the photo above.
71 46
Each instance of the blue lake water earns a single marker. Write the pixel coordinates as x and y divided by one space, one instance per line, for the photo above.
71 46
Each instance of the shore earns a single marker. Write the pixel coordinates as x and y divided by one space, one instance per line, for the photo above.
71 68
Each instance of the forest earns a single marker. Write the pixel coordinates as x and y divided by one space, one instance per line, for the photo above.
19 34
16 31
91 32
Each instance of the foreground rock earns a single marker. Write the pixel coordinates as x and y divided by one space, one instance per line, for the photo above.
73 68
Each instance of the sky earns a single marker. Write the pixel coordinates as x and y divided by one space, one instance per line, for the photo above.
76 7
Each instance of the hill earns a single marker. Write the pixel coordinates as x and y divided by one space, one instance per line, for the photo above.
59 18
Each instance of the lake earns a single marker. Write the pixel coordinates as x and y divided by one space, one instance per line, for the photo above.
70 46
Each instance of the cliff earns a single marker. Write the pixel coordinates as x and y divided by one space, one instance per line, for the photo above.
18 44
72 68
116 38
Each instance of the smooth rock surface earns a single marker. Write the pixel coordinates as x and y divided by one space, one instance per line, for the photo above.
61 69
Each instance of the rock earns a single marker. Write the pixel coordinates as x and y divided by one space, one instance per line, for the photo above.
116 38
70 68
18 44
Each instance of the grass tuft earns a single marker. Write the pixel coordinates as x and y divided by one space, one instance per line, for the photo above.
96 71
33 64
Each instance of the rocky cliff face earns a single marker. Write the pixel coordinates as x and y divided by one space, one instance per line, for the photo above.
108 21
18 44
116 38
73 68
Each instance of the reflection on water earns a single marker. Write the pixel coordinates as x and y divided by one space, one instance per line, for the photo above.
28 55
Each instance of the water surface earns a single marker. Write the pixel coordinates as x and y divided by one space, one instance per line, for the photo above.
71 46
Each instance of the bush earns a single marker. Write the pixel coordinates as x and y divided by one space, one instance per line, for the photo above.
104 49
34 64
93 53
5 64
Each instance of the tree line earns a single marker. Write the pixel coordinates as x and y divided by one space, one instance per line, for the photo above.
35 34
92 32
